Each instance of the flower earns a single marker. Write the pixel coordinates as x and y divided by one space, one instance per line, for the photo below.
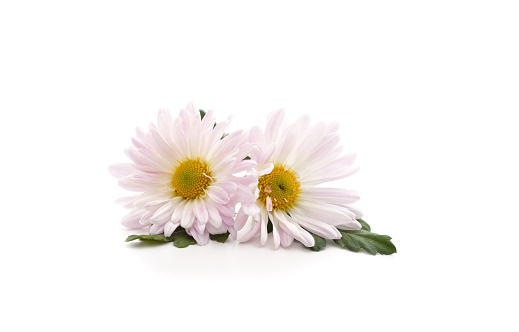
184 172
292 160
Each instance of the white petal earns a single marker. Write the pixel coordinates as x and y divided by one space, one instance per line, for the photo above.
177 214
201 239
156 229
351 225
268 200
275 234
218 195
122 169
169 228
131 220
188 217
163 214
264 221
200 211
274 121
241 219
294 229
251 233
214 215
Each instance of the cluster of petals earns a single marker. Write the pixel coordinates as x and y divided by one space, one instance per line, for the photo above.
156 154
314 154
310 151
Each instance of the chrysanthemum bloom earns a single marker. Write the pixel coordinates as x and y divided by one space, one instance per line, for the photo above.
184 171
292 160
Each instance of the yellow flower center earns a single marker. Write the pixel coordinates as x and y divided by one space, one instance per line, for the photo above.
281 185
191 178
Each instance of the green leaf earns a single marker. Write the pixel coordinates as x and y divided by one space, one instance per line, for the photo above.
246 158
202 114
364 225
182 240
320 243
372 243
219 237
179 238
148 237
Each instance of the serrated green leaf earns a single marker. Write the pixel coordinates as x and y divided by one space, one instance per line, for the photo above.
149 237
364 225
372 243
179 238
202 114
320 243
183 240
219 237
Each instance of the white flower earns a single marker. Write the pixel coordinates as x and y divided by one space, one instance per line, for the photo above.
292 159
183 170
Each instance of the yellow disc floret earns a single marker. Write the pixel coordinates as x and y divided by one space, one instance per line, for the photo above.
191 178
281 185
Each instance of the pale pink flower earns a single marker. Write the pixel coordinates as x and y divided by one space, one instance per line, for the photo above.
184 172
292 161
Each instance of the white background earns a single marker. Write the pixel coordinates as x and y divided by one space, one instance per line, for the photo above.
426 93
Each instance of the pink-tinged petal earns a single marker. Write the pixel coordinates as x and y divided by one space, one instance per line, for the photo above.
286 143
251 208
256 136
188 217
336 196
192 110
145 218
275 234
274 121
315 226
336 170
169 228
163 214
229 187
244 194
201 239
179 137
330 214
285 238
351 225
244 165
228 221
177 214
121 170
263 231
198 226
268 200
266 169
241 219
358 213
218 195
157 203
126 202
227 210
131 220
294 229
200 211
156 229
214 215
215 135
251 233
225 145
233 233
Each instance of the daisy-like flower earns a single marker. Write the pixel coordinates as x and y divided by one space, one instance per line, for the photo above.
184 172
292 161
